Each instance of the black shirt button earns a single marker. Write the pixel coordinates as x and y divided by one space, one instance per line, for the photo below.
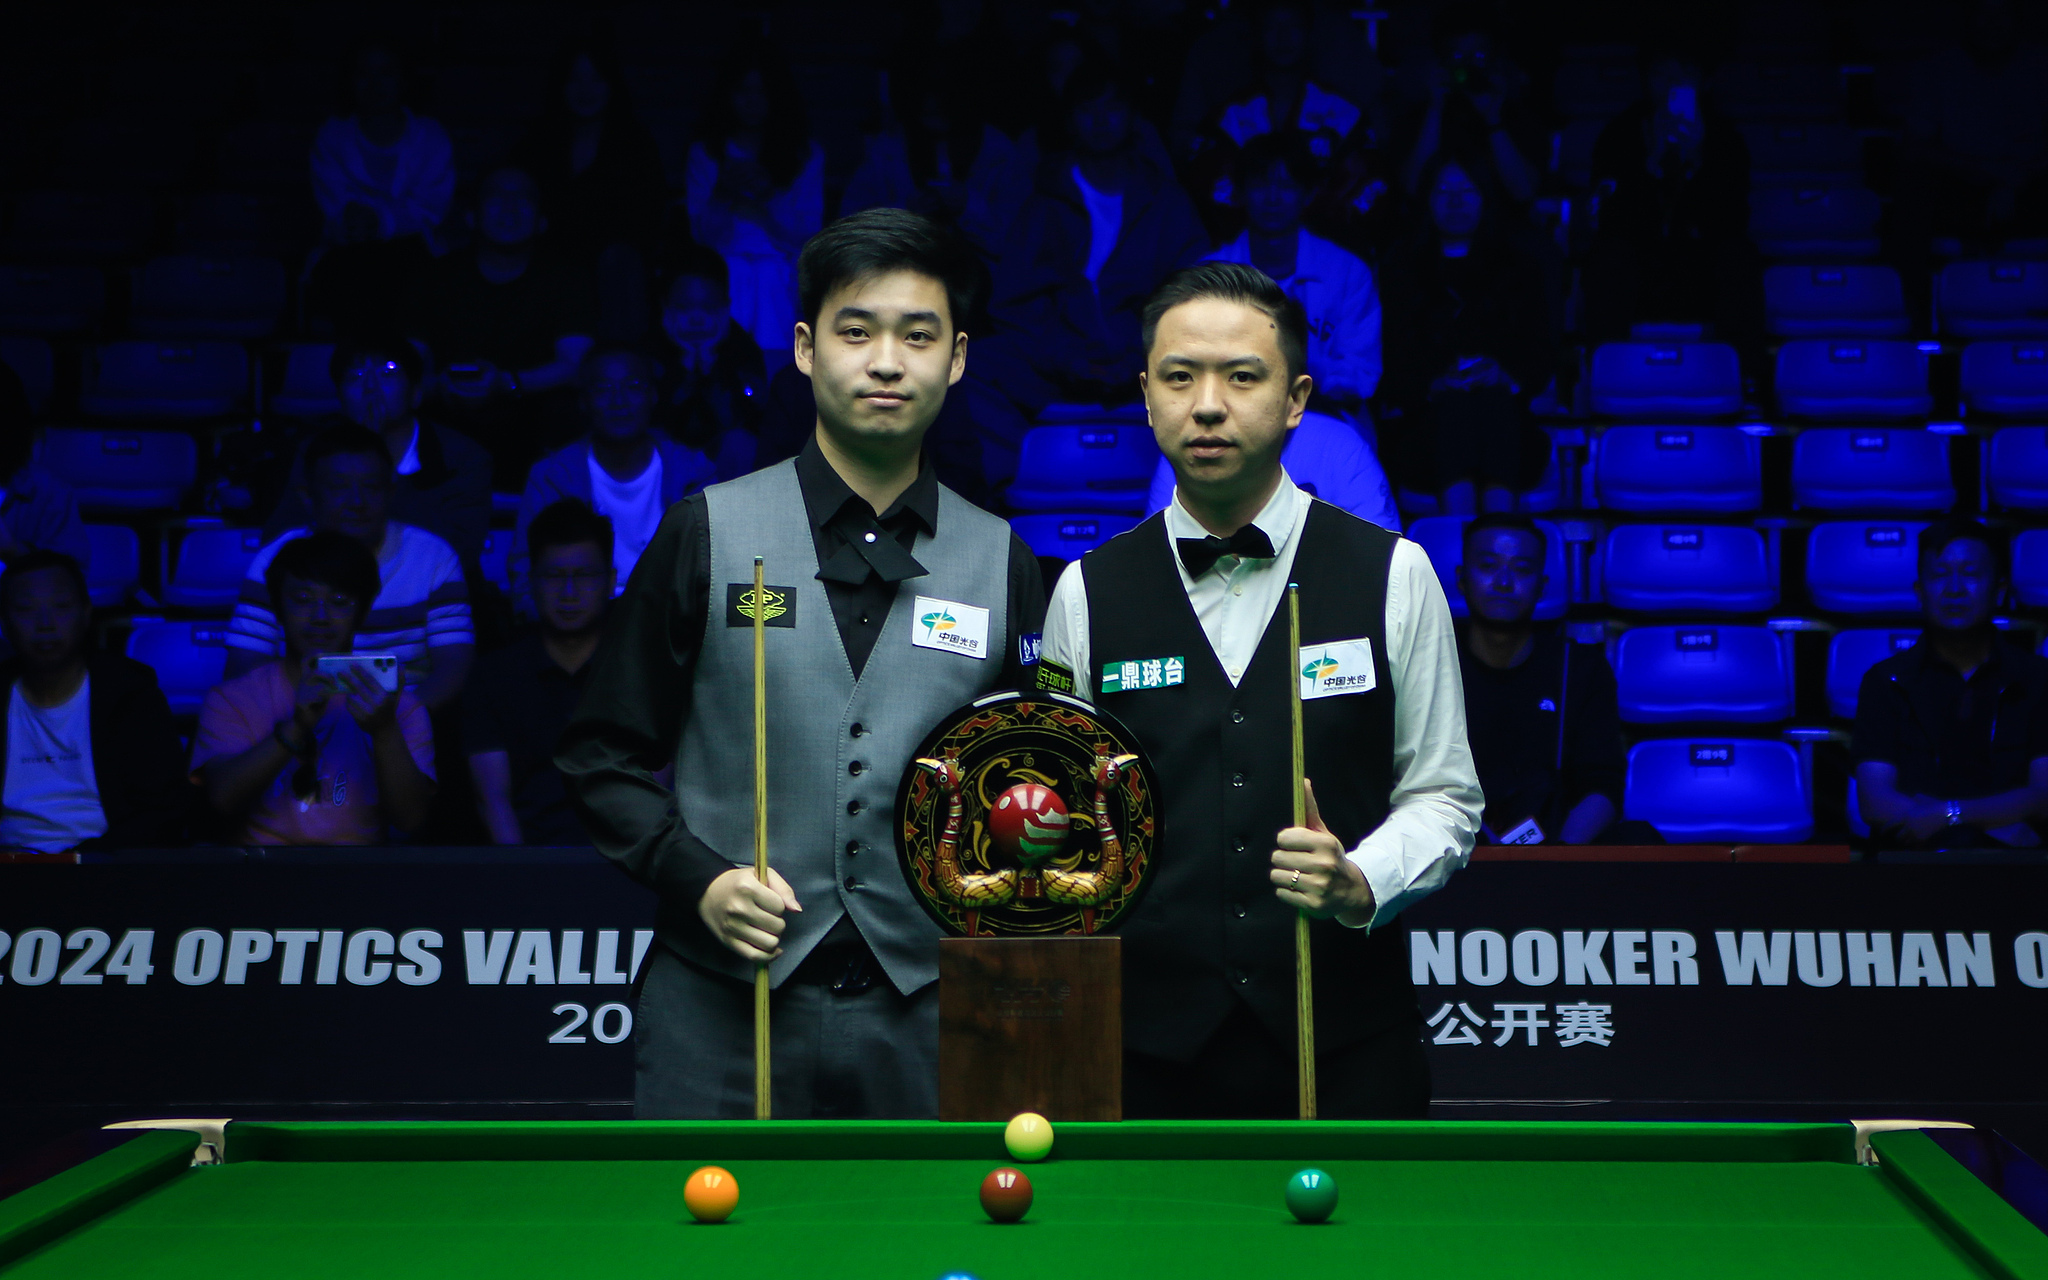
1243 977
854 806
858 729
1238 907
1236 779
863 619
1239 846
1236 717
856 768
852 847
852 883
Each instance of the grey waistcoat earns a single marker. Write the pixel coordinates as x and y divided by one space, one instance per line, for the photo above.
831 795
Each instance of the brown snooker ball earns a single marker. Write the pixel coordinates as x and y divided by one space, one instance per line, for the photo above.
1006 1195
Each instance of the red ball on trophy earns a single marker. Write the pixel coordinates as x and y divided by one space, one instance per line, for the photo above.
1029 823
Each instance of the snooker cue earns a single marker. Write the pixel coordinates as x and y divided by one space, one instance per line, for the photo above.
761 1072
1304 981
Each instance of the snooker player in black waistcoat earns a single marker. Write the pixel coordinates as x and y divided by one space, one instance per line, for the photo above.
1179 628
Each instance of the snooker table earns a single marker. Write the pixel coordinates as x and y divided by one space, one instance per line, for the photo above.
898 1200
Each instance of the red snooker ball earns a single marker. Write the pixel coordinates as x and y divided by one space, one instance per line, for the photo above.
1029 823
1006 1195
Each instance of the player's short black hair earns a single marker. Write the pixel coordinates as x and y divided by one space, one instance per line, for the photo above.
565 524
37 561
351 347
343 439
1936 537
1233 282
875 241
331 559
1514 521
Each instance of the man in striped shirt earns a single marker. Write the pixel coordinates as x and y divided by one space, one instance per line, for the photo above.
421 614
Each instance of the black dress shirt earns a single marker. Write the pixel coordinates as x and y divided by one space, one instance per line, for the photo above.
517 701
1951 738
1511 720
638 698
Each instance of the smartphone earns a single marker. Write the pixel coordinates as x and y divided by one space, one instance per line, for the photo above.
1684 102
380 667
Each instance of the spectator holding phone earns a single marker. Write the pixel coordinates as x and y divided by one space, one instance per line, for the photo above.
523 695
303 757
420 603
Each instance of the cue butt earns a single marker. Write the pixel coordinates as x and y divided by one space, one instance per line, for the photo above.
1304 977
762 1076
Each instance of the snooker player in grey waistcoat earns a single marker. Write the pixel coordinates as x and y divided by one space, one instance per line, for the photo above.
891 601
1179 628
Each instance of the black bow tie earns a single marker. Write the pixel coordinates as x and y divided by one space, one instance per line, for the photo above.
867 549
1201 554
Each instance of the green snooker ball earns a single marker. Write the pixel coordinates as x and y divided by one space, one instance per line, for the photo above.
1312 1195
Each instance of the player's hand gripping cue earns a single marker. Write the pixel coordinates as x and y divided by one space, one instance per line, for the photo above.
1310 872
747 915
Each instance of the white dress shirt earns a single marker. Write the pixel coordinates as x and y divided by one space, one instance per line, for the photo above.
1436 803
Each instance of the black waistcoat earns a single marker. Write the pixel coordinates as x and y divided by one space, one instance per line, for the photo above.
1210 930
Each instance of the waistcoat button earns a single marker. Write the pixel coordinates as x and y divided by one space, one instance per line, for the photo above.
1236 779
856 768
1240 844
852 883
1238 907
1243 977
1236 717
854 806
858 729
852 847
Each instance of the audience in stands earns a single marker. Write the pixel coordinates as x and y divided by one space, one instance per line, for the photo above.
293 755
1329 459
1478 107
443 478
1540 711
1274 178
1469 337
507 322
623 469
90 758
1106 225
1951 745
1976 122
757 192
714 379
37 510
419 604
601 182
1671 241
380 172
521 697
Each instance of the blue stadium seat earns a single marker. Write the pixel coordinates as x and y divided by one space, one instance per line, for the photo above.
1700 569
1812 152
1660 381
1871 469
122 470
1992 299
1685 468
1740 791
2030 568
80 225
308 390
1853 379
2006 379
1853 652
1443 539
148 379
113 565
1828 222
211 565
189 657
1703 672
1070 536
1834 302
54 301
2018 470
185 296
36 366
1864 566
1098 467
496 555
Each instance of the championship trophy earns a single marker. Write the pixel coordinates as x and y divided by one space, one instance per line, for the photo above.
1028 826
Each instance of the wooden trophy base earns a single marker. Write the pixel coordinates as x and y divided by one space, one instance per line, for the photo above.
1031 1024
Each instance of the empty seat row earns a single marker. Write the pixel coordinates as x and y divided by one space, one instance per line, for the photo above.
176 296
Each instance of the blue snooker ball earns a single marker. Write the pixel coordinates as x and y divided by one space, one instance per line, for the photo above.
1312 1195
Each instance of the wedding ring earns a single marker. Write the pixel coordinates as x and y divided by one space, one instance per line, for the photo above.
1296 881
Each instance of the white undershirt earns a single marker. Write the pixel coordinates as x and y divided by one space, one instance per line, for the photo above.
52 799
1436 802
1105 223
634 507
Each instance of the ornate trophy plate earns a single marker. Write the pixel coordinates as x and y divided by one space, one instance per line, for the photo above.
1027 815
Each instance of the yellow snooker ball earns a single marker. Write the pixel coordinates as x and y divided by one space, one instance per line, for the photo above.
1029 1137
711 1194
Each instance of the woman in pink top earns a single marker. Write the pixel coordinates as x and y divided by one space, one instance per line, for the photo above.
296 757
